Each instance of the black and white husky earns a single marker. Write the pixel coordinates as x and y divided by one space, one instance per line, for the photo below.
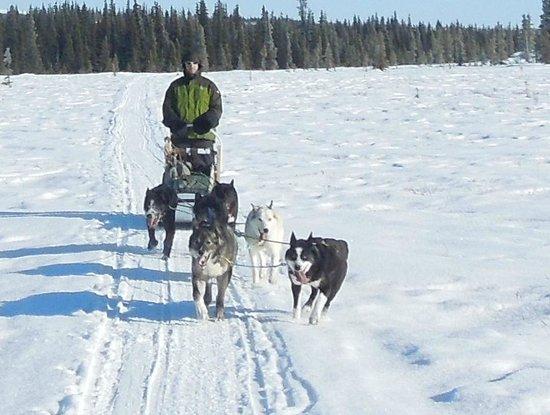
213 248
321 263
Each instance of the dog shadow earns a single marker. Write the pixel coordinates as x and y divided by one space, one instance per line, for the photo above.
69 303
108 220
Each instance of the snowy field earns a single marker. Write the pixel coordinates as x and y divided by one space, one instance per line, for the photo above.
438 178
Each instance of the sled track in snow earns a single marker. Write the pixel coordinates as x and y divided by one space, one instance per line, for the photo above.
272 375
158 364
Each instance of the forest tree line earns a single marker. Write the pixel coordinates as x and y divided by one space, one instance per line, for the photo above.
69 38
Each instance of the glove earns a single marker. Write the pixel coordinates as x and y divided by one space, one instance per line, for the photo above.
201 125
180 135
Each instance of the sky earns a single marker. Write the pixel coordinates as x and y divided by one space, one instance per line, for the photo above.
486 12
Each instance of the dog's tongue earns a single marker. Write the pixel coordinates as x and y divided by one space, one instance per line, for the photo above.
152 222
203 260
302 277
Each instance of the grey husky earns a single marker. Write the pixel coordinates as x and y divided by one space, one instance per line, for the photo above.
213 248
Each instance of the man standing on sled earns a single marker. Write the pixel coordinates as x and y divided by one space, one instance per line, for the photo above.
192 108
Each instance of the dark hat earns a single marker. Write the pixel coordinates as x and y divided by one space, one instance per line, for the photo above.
192 56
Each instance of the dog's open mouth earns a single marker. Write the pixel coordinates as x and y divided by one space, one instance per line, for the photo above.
203 260
302 277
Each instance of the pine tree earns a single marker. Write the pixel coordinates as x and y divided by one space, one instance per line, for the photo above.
105 62
545 32
204 20
459 46
492 49
198 41
268 51
380 59
284 46
221 59
239 45
1 43
11 37
528 38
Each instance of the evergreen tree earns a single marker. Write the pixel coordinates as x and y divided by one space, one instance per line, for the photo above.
284 46
105 62
528 38
379 56
47 40
204 20
11 37
239 46
221 59
1 43
492 49
459 46
545 32
437 49
198 41
66 37
268 51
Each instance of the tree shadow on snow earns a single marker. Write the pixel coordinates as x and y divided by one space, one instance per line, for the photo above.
73 249
87 268
68 303
108 220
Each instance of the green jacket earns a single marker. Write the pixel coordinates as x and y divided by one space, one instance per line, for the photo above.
193 100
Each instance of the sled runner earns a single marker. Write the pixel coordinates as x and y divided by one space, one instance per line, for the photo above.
191 168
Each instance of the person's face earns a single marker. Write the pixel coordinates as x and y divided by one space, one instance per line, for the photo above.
191 67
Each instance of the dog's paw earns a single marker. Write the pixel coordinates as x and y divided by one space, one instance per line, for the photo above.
165 257
296 314
306 309
152 245
314 320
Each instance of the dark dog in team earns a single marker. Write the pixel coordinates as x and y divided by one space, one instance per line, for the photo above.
160 205
213 249
220 204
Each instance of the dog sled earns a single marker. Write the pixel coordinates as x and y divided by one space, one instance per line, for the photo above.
191 168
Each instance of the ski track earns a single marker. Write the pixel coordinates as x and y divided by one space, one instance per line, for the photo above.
148 362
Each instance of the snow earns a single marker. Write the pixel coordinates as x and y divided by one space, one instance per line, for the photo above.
436 176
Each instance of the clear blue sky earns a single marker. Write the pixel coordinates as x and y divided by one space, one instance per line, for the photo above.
481 12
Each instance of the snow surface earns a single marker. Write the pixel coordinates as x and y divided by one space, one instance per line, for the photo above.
438 178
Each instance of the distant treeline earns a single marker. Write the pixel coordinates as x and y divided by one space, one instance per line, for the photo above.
69 38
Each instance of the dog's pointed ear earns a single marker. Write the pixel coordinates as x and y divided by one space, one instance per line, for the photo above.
232 183
271 205
292 239
310 237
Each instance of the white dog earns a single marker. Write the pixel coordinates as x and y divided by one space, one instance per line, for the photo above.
264 231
